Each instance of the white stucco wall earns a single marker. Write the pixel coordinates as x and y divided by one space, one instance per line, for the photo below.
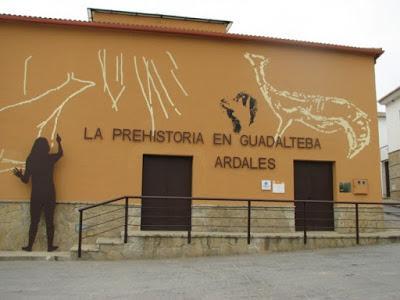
384 147
393 125
383 141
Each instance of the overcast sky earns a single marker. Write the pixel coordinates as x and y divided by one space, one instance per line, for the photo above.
361 23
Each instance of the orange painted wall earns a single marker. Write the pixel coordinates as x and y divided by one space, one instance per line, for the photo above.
208 70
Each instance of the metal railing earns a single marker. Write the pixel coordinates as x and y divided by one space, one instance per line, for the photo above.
243 212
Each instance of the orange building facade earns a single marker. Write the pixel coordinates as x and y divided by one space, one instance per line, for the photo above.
248 112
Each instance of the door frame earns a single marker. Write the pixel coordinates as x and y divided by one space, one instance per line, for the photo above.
333 171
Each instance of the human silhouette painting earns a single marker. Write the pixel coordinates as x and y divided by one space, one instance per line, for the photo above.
39 167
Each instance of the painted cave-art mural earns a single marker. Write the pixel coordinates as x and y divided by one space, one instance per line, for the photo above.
26 73
324 114
47 121
161 87
173 73
151 81
8 164
119 77
245 100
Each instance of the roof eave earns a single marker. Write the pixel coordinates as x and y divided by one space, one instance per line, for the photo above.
390 97
374 52
175 17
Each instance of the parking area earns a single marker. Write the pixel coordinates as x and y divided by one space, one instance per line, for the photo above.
353 273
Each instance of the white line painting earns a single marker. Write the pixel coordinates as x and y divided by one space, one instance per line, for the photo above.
121 69
323 114
26 72
171 102
147 97
12 162
150 83
55 115
157 90
171 57
117 69
50 121
119 76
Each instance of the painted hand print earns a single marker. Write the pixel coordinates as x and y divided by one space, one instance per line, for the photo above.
323 114
244 100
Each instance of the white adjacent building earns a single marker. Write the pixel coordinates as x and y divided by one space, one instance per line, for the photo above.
390 144
384 154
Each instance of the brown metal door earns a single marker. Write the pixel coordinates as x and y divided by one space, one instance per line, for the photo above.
313 181
166 176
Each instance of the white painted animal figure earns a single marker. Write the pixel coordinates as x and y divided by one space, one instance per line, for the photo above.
39 116
323 114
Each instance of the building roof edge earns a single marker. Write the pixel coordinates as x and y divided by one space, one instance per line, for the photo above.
375 52
388 97
162 16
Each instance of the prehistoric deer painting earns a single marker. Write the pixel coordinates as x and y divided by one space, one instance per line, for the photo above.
325 114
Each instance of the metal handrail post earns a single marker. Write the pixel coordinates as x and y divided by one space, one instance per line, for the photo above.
357 226
126 220
248 221
304 223
80 234
189 237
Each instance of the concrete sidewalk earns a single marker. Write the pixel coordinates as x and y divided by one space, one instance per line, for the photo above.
370 272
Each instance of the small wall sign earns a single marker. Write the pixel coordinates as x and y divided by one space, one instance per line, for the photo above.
266 185
360 186
345 187
278 188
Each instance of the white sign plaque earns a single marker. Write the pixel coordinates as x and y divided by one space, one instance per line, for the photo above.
278 188
265 185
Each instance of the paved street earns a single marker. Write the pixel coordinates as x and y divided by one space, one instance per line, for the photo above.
352 273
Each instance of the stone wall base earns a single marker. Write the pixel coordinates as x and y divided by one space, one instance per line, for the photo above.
15 220
234 219
370 218
108 220
151 245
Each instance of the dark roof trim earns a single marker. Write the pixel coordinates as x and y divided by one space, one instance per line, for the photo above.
386 99
381 114
171 17
375 52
